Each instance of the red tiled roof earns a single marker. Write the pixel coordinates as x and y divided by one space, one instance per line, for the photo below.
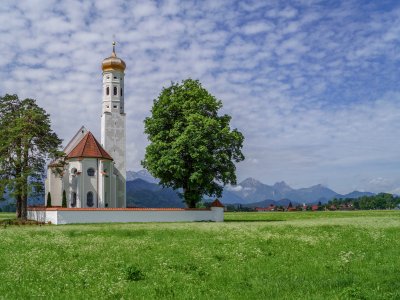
217 203
89 147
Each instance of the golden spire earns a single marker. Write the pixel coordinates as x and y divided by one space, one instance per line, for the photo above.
113 62
113 53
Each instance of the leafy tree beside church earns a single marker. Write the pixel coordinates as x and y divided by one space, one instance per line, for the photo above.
26 142
191 146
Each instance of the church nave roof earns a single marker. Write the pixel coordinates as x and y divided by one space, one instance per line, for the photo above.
89 147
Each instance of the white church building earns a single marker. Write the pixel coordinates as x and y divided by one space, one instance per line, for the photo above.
94 175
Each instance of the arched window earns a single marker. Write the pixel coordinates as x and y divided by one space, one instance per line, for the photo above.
73 199
107 90
73 171
115 90
89 199
122 92
90 172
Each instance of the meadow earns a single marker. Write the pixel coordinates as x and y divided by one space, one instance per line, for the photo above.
295 255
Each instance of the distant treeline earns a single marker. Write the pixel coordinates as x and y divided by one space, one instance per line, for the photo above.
8 208
379 201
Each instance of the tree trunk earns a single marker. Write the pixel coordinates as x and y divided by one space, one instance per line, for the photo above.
25 184
24 208
191 198
18 206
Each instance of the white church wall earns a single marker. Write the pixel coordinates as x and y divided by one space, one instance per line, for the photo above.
105 167
74 179
89 183
54 187
73 216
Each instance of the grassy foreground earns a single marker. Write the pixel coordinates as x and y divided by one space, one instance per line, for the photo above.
310 255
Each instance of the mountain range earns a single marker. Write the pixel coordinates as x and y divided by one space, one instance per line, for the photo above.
249 192
143 190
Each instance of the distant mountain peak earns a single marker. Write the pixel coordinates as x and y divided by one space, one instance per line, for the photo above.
248 182
281 184
142 174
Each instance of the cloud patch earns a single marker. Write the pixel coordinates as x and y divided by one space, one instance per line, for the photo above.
314 88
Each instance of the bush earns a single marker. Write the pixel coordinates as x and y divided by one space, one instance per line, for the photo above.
64 199
132 273
48 204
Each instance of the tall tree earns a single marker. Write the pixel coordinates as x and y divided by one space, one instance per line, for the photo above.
26 142
191 146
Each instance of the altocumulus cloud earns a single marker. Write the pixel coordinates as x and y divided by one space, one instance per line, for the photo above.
313 87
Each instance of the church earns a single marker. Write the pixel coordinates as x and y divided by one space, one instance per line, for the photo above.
94 175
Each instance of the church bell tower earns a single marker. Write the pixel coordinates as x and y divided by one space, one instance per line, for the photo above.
113 133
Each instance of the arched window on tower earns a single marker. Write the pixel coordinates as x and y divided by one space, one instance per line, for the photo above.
122 92
115 90
89 199
108 91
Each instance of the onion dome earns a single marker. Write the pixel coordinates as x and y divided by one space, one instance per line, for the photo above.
113 62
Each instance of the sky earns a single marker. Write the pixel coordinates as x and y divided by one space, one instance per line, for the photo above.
312 85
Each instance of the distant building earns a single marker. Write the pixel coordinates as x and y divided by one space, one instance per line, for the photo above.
315 207
272 207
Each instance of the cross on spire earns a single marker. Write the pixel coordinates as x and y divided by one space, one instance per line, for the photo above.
113 51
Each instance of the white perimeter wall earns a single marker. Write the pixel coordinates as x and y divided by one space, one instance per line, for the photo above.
70 216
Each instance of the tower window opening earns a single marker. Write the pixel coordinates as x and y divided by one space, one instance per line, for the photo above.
122 92
115 77
115 106
108 91
108 77
115 90
89 199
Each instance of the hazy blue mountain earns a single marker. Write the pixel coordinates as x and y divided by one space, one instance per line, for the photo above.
312 194
249 191
142 174
140 193
230 197
268 202
252 190
356 194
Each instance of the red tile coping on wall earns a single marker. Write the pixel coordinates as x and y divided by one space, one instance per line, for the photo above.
217 203
114 209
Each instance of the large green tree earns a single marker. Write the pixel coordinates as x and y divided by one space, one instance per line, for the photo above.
26 142
191 146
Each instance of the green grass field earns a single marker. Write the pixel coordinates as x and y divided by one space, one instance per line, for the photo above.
310 255
4 216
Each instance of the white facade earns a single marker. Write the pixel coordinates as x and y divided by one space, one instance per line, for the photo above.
71 216
87 182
